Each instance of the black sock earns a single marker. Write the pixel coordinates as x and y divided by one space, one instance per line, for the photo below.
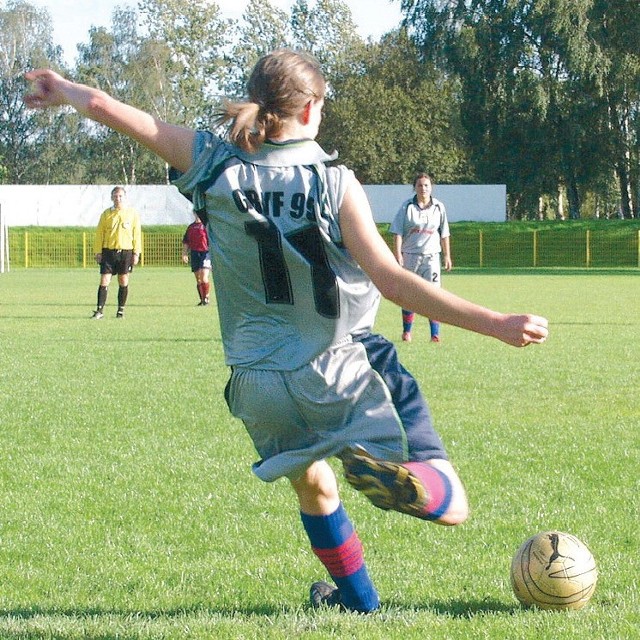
102 297
122 295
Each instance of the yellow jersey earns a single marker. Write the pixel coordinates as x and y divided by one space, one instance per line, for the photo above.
119 229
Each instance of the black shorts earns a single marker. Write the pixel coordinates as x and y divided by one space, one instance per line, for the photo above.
200 260
116 261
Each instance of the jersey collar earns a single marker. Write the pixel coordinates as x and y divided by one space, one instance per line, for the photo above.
286 154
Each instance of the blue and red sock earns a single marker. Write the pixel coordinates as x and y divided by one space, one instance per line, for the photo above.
407 320
437 484
337 545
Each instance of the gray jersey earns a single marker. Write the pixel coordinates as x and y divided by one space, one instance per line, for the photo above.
421 229
286 288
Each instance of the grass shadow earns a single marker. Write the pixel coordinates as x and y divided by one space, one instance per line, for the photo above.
466 609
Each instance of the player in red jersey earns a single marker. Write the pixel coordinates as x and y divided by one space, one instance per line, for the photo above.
195 248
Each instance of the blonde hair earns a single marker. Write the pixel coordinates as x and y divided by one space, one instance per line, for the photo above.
280 85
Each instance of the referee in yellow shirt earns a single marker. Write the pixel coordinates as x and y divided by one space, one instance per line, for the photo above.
117 249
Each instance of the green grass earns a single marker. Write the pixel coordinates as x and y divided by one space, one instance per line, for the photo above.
129 509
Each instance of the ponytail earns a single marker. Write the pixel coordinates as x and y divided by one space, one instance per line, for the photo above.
280 85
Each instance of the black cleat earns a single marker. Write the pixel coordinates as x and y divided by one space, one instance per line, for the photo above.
323 594
97 315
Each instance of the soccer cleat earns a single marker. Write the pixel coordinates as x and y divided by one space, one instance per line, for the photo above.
120 312
435 338
97 315
323 594
388 485
406 336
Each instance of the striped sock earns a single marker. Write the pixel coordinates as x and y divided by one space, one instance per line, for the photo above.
335 542
407 320
438 486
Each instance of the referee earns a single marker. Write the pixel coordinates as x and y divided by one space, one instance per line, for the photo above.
117 249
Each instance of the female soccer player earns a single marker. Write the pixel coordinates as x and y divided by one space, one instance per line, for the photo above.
299 267
420 232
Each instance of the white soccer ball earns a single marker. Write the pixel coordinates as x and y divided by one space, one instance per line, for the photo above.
553 570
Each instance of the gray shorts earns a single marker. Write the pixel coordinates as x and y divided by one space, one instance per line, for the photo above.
338 400
426 266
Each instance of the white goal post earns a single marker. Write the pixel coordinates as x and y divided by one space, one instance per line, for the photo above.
4 243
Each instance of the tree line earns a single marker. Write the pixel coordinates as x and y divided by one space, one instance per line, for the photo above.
540 95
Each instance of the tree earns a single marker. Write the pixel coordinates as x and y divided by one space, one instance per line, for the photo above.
549 88
395 115
111 60
328 32
25 42
262 29
325 30
195 37
503 100
616 31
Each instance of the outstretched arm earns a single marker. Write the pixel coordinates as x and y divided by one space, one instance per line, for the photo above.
410 291
172 143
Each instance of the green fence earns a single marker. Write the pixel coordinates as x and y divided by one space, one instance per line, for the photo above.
491 247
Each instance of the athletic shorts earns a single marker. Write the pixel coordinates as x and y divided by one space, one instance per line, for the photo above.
116 261
200 260
355 393
426 266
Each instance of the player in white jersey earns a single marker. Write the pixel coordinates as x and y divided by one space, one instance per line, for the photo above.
421 239
298 265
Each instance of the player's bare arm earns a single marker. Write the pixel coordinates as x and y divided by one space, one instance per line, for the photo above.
409 291
446 253
171 142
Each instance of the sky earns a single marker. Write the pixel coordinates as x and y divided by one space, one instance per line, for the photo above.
73 18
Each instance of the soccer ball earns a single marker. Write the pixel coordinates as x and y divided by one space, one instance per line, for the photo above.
553 570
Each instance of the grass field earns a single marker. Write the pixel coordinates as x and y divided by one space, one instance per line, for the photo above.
129 509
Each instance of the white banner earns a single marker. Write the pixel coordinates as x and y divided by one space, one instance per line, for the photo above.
81 205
